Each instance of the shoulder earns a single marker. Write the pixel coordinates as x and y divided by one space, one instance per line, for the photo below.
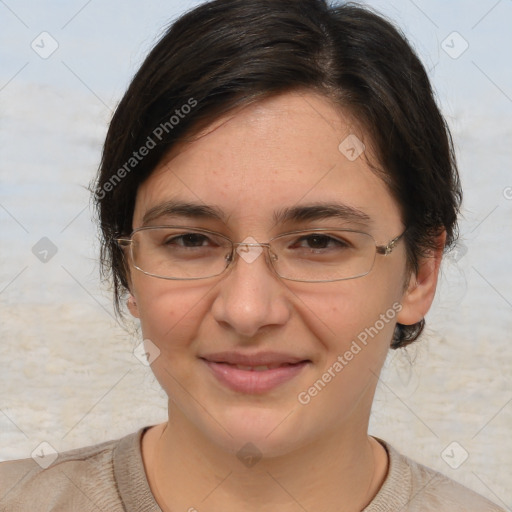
81 479
418 488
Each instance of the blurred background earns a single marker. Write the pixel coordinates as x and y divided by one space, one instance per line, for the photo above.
68 374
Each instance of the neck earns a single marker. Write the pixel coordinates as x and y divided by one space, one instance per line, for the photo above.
187 471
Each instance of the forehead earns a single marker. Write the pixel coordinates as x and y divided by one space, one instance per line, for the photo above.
292 149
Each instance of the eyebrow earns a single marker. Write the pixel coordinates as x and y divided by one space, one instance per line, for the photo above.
183 209
319 211
300 213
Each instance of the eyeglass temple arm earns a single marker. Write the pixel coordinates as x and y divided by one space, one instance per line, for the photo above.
386 249
123 242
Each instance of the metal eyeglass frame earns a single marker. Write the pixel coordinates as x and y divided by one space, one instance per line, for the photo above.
230 258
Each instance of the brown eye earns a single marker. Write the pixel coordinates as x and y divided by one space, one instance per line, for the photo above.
188 240
315 241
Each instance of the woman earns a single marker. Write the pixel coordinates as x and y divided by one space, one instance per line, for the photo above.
276 192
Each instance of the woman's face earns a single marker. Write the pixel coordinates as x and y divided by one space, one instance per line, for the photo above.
279 154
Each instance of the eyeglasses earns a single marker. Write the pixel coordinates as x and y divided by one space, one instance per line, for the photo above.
312 255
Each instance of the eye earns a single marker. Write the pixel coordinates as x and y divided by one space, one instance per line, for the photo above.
321 241
188 240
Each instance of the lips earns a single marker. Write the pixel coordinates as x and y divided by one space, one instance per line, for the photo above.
256 373
271 359
260 368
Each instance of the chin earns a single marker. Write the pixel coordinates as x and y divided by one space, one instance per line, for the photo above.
271 431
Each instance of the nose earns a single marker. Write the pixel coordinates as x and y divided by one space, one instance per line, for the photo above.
251 296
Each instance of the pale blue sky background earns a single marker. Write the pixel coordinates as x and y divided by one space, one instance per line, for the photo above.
103 41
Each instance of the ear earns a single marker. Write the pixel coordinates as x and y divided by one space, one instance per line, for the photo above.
419 295
132 306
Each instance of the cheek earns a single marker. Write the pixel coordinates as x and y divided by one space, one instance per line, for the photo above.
355 330
171 315
348 310
170 312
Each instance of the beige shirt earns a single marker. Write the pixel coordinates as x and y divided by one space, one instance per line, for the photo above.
110 477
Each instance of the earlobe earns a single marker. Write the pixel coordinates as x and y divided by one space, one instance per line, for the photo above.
132 306
420 292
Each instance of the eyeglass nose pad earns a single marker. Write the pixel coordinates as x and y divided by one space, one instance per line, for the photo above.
231 256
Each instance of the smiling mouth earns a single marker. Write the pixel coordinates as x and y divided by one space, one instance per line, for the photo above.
257 378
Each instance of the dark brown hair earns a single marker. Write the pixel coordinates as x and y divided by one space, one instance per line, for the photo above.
226 54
